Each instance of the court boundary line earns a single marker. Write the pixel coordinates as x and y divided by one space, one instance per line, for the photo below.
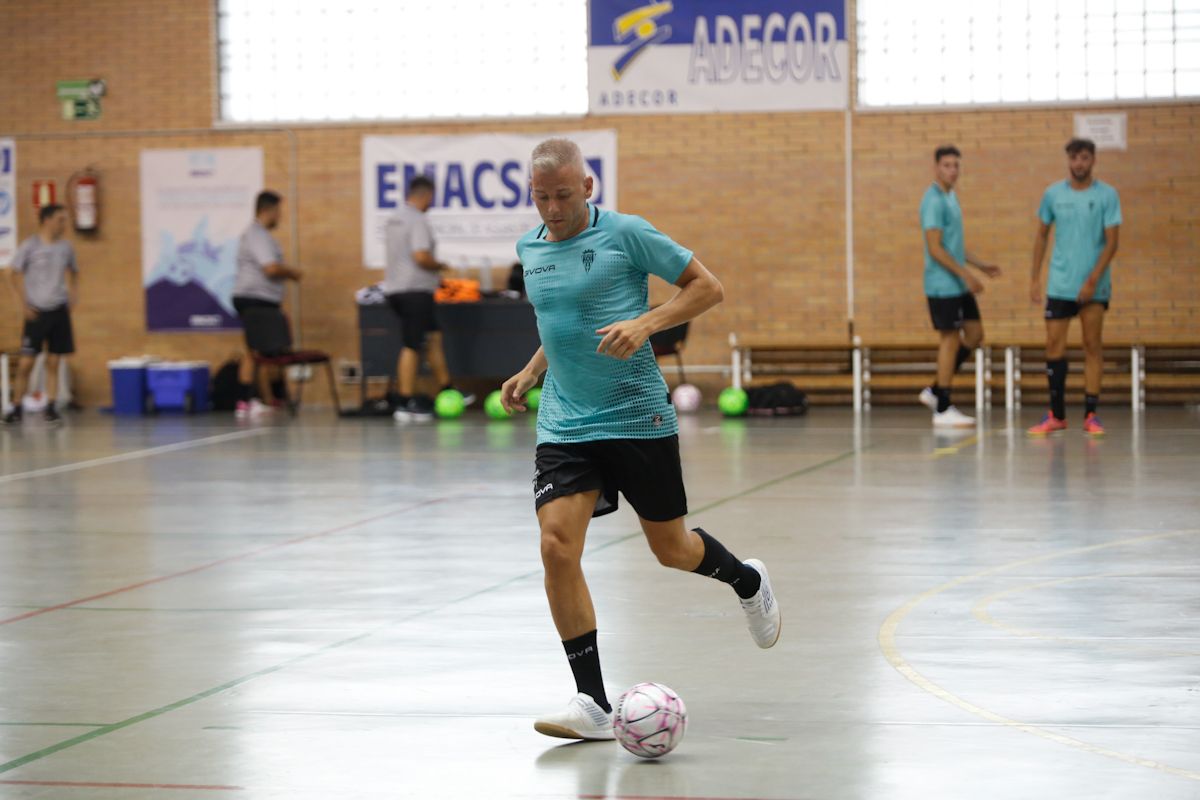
222 561
83 738
887 644
132 455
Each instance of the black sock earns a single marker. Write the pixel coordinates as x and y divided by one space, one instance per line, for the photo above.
1091 403
1056 373
964 353
943 398
585 665
721 564
279 389
244 392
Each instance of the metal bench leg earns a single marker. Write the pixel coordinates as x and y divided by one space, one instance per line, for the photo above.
979 383
333 391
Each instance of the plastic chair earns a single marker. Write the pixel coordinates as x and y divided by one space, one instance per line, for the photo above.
269 337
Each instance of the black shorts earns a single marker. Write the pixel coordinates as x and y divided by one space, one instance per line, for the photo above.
1067 309
417 316
243 304
52 328
646 471
949 313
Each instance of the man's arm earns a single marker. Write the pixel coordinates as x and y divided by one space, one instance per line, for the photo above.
512 393
17 281
73 289
1039 255
282 272
699 290
425 260
1111 238
991 270
933 240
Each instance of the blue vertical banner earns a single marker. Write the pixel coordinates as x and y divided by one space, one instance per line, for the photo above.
706 56
8 201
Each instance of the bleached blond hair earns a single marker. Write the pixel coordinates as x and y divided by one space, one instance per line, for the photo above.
553 154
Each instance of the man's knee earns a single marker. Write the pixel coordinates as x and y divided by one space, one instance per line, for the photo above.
559 550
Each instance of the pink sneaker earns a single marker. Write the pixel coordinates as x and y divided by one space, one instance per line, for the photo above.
241 410
1049 424
1092 425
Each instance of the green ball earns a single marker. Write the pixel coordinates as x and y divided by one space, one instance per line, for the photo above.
449 404
493 407
534 398
733 401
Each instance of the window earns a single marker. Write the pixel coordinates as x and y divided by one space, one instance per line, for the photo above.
937 52
384 59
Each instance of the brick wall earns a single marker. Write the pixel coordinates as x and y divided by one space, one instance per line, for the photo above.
759 197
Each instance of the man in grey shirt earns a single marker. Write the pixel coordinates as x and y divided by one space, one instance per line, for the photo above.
40 270
411 277
260 286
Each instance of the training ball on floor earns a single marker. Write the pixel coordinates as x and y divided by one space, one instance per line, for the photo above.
733 401
649 720
493 407
534 398
449 404
686 398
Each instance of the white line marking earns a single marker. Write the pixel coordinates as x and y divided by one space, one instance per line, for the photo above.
130 456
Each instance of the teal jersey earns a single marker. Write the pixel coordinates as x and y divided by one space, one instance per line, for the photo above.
578 286
1079 219
940 210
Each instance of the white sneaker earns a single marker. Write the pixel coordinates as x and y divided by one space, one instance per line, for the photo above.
259 409
582 719
762 612
952 418
928 398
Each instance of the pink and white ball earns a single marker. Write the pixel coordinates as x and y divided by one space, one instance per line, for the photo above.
686 398
649 720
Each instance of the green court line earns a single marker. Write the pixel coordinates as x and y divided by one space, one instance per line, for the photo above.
83 738
52 724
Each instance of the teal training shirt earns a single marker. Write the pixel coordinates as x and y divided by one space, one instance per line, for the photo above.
940 210
1079 219
577 286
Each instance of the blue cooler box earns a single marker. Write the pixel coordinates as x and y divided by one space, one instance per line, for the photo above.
178 386
128 385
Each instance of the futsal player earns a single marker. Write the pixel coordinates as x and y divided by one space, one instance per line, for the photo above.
605 424
1086 215
41 269
950 288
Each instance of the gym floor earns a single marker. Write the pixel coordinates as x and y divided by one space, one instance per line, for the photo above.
354 609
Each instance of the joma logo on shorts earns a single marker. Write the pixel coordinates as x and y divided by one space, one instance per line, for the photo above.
543 490
539 270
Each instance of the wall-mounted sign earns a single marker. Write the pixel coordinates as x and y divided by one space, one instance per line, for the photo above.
1106 130
80 99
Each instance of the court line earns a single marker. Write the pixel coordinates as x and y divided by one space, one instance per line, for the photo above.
92 785
132 455
980 612
887 643
221 561
663 797
82 738
940 452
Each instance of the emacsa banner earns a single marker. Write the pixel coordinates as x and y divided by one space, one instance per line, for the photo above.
697 56
481 203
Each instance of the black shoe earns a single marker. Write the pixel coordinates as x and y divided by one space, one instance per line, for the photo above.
419 408
13 416
52 417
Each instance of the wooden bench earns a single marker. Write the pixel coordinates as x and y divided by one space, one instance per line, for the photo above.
824 370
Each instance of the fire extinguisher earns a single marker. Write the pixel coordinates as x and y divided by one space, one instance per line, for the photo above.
83 196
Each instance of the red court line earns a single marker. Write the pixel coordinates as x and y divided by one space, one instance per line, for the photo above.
218 562
90 785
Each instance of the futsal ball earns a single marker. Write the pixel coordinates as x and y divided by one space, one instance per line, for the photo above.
733 401
686 398
449 404
493 407
649 720
534 398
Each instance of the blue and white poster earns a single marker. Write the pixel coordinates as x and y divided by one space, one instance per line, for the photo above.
8 201
195 205
703 56
481 189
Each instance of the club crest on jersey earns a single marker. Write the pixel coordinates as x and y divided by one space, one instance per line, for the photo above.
588 257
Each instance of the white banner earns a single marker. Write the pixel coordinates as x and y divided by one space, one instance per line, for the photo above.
195 205
671 56
8 201
481 201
